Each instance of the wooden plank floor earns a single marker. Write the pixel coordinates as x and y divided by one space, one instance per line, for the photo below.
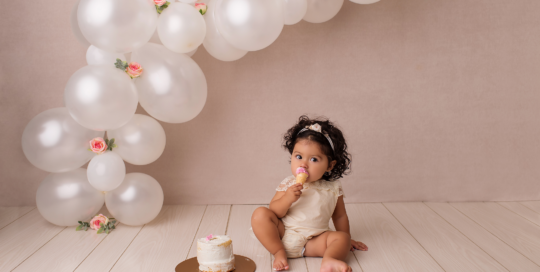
403 236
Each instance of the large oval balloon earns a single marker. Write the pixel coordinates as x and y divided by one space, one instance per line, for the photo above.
249 24
214 43
96 56
181 28
295 10
140 141
155 39
100 97
319 11
137 201
52 141
65 198
117 26
106 171
172 88
75 25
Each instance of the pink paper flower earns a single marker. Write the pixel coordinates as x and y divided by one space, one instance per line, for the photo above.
98 145
97 220
134 70
201 7
160 3
209 237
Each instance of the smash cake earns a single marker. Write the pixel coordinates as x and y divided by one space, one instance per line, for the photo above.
215 253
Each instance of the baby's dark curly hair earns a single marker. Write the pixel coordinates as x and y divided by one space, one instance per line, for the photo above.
342 157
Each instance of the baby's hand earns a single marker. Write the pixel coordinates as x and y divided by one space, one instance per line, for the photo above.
293 193
357 245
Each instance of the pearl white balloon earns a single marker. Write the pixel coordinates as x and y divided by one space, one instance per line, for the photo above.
173 88
117 26
100 97
364 1
192 52
65 198
181 28
106 171
320 11
96 56
52 141
214 43
140 141
250 24
75 25
295 10
137 201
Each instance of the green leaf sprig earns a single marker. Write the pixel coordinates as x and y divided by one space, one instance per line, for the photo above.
164 6
110 144
122 65
82 225
107 228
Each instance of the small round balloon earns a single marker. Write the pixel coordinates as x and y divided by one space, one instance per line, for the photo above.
250 24
117 26
140 141
295 10
173 88
75 25
106 171
181 28
96 56
52 141
100 97
137 201
65 198
214 43
319 11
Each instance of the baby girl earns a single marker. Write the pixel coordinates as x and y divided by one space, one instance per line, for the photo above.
297 222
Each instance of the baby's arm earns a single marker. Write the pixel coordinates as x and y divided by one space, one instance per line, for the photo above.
282 201
340 218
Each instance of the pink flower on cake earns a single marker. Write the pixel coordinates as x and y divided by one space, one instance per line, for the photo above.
97 220
98 145
160 3
209 237
201 7
134 70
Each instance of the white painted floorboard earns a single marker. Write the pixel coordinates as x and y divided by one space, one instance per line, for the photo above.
406 236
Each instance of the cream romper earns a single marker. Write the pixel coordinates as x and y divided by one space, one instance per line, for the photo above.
310 215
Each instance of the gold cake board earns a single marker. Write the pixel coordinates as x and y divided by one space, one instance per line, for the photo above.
241 263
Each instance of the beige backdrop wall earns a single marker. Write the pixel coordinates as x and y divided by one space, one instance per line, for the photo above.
439 101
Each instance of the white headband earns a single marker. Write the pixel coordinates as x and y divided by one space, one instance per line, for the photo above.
317 127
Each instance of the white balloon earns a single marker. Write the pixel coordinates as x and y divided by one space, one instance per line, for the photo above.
181 28
214 43
364 1
65 198
106 171
75 25
295 10
173 88
96 56
52 141
320 11
117 26
137 201
100 97
187 1
140 141
191 53
249 24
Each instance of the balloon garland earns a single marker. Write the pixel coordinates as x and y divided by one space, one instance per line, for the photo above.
139 52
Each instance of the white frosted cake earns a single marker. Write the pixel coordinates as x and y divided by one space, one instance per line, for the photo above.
215 253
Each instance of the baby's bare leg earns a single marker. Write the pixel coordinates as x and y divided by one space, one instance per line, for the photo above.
269 230
334 247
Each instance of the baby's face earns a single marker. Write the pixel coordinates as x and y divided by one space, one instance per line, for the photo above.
308 154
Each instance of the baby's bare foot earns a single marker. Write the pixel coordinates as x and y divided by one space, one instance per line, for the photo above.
334 265
280 260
